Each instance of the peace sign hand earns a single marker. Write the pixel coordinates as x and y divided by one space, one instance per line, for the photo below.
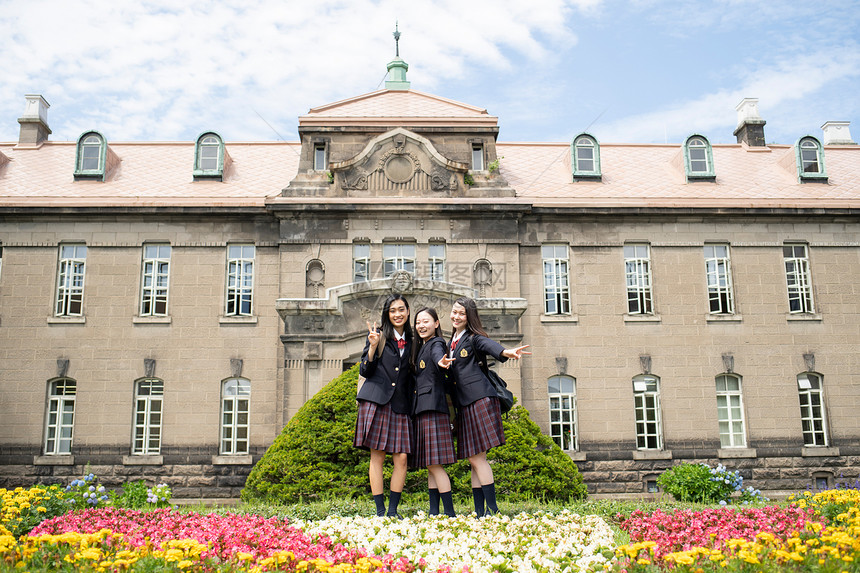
516 353
445 362
372 336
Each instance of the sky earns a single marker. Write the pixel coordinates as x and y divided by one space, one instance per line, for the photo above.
626 71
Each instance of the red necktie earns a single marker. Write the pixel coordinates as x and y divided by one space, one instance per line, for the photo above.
401 343
454 344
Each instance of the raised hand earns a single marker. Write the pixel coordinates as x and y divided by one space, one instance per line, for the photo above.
372 336
516 353
445 362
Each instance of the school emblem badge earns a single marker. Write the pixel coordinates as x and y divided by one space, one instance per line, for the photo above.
463 353
421 364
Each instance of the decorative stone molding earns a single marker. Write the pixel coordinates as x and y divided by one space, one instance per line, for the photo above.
62 367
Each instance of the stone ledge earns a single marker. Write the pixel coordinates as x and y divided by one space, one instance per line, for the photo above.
819 452
652 455
151 320
725 453
235 320
142 460
559 318
57 460
642 318
232 460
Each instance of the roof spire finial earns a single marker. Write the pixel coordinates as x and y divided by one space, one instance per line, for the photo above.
397 67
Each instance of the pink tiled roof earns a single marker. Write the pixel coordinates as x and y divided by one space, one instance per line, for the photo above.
407 107
149 174
160 174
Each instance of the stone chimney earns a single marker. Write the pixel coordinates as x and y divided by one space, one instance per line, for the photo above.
750 128
34 122
836 133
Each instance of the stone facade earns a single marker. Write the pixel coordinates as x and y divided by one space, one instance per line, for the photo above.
407 179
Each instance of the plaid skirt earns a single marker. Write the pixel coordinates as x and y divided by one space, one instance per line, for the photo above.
381 428
434 443
479 427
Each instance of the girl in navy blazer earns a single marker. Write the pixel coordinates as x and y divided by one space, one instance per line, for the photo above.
434 444
385 400
479 416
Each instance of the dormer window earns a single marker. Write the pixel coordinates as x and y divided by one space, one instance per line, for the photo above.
585 158
477 157
320 160
210 158
810 160
698 159
91 154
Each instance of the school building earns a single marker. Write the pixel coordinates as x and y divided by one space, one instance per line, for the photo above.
165 308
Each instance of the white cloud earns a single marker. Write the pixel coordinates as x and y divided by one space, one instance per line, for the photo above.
156 70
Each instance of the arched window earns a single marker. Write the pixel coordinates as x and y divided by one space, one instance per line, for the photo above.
585 158
91 156
730 411
810 159
235 410
698 159
646 403
812 411
562 411
148 399
60 416
209 157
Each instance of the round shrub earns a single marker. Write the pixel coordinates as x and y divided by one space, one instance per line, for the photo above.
313 458
704 484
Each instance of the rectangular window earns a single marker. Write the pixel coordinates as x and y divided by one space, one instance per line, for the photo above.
718 270
154 284
637 262
360 262
235 406
240 279
556 282
60 417
730 412
320 163
398 257
70 282
436 261
562 411
646 402
477 156
812 409
798 279
148 400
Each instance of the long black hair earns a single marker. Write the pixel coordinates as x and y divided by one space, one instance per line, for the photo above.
473 321
419 342
387 327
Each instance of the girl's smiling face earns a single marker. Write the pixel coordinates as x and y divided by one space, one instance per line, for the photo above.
458 317
398 314
425 325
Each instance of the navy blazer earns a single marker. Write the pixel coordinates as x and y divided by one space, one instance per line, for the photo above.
388 378
470 382
430 380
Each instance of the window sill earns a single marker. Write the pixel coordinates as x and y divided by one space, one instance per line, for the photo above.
818 451
724 318
143 460
729 453
227 460
803 317
642 318
576 456
808 178
587 177
54 460
151 320
67 320
705 178
559 318
652 455
237 320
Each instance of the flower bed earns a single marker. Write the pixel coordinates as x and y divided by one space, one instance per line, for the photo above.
541 541
818 532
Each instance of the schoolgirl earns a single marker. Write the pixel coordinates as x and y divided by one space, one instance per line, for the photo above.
434 444
385 400
479 417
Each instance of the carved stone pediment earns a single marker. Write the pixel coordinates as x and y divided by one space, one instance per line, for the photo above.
398 163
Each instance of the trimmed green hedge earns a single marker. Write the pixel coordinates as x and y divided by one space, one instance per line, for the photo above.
313 458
